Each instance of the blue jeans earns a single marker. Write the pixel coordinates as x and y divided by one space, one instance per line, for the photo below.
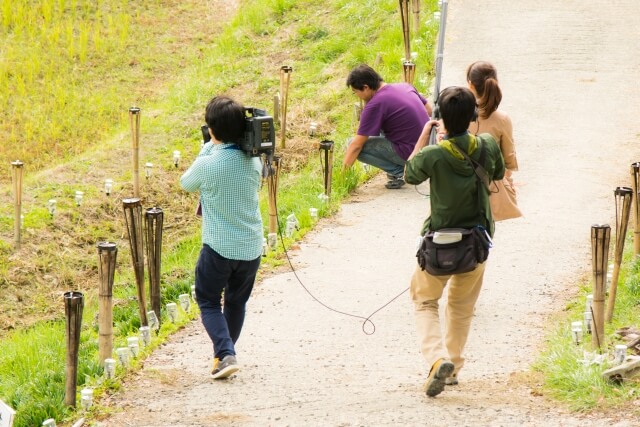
215 274
377 151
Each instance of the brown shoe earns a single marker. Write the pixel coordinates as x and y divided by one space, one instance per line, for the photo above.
440 371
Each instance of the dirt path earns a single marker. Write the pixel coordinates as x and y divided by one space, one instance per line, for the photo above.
569 76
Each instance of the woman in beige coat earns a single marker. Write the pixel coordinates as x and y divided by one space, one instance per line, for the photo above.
482 78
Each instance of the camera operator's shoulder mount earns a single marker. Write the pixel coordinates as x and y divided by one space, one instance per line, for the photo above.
259 133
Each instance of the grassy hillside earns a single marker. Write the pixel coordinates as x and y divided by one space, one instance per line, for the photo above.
168 58
70 70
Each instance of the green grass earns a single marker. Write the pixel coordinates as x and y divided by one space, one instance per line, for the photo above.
69 71
565 376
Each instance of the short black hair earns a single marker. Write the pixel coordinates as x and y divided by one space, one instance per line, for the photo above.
363 75
225 117
457 107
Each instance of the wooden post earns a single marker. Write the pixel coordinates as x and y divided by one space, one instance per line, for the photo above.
404 16
635 184
327 146
623 207
285 78
416 15
73 306
133 219
134 118
600 235
357 112
276 108
154 219
17 169
409 71
107 254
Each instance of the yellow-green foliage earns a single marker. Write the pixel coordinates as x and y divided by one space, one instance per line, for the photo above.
69 68
69 71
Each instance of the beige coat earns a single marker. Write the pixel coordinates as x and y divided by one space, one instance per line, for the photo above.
503 199
499 126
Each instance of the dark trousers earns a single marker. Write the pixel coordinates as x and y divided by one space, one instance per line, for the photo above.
215 274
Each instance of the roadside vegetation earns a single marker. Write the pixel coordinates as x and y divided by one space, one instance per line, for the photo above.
69 72
572 372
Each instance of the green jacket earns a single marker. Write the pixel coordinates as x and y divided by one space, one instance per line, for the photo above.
453 183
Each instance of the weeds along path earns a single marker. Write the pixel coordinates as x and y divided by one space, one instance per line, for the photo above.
568 73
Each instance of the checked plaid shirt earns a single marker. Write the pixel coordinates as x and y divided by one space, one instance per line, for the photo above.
228 180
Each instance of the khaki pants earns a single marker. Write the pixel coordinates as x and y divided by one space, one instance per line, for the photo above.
426 291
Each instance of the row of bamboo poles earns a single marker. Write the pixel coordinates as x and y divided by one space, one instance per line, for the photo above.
602 308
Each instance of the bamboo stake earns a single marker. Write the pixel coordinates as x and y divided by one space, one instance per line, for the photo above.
357 112
17 169
327 146
600 235
154 220
285 77
409 71
623 204
107 254
73 306
272 185
134 118
133 219
416 15
276 108
635 181
404 16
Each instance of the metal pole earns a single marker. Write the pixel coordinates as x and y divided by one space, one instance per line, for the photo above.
133 219
285 77
433 137
134 118
623 207
107 254
327 146
600 235
635 181
73 306
17 169
154 218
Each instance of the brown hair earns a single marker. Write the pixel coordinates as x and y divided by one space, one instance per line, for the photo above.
484 78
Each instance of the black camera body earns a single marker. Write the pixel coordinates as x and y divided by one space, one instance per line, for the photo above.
259 134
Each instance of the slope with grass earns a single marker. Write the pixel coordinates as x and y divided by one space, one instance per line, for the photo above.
69 71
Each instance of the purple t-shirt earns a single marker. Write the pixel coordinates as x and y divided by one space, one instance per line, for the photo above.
399 111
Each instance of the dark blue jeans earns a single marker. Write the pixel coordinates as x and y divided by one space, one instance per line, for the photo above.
215 274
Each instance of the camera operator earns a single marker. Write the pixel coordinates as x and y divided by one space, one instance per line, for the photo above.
228 180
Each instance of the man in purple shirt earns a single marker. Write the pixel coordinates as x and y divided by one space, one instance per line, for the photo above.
390 124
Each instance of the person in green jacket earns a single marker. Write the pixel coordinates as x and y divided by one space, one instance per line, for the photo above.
454 199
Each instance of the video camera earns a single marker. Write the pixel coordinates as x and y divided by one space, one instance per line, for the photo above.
259 134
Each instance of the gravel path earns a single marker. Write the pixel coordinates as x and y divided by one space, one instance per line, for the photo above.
568 71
